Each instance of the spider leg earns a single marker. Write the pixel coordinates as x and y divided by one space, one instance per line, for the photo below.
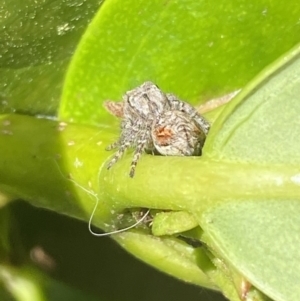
126 136
128 139
201 122
114 108
137 154
113 145
123 147
196 147
179 105
143 142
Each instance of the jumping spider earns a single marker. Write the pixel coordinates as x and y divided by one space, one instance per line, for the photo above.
156 122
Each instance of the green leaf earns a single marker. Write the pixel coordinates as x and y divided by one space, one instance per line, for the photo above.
38 39
195 49
265 249
47 154
168 223
179 259
261 125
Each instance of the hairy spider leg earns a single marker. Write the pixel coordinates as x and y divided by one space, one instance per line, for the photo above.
125 128
123 147
179 105
125 141
113 145
115 108
198 148
182 128
201 121
141 145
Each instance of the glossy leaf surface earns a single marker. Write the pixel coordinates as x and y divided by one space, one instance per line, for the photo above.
38 38
195 49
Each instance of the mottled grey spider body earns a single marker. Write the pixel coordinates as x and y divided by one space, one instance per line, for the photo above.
179 105
155 121
177 134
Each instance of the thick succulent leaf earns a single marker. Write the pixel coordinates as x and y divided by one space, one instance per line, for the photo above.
195 49
265 249
262 124
179 259
262 127
168 223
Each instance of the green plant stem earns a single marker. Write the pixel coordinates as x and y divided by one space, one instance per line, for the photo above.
176 183
73 162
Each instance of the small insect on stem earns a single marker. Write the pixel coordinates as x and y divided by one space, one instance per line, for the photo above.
157 122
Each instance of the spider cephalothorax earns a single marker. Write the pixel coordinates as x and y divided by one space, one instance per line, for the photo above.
157 122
